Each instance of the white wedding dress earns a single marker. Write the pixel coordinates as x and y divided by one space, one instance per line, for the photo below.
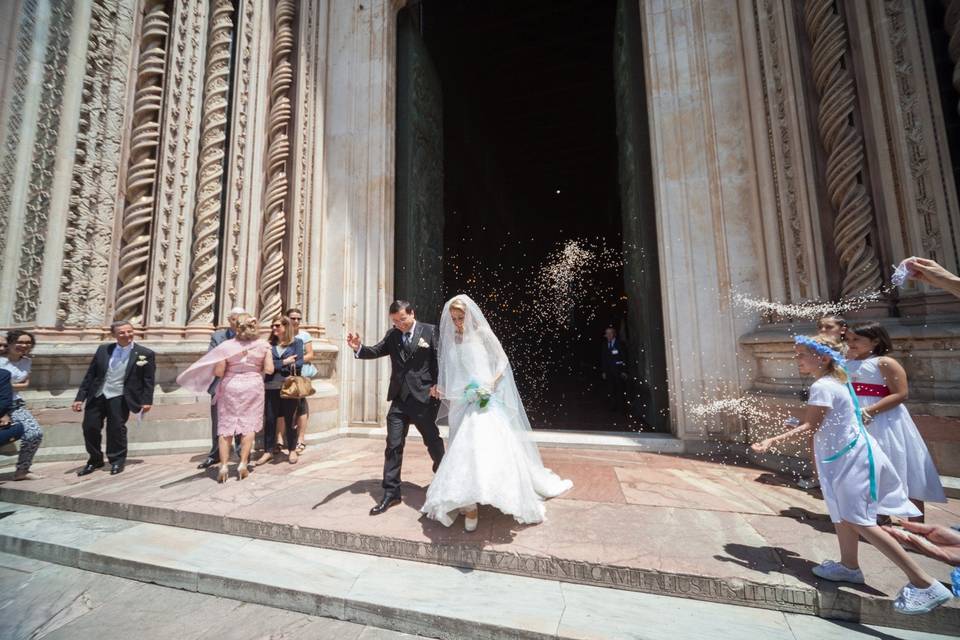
491 457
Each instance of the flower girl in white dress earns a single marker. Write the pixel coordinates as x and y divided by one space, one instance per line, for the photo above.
491 457
857 479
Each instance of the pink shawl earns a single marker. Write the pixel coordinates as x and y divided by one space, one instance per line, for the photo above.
199 376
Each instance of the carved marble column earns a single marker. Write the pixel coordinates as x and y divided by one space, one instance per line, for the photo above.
144 150
207 217
796 269
916 199
94 202
854 230
709 229
176 170
273 248
356 268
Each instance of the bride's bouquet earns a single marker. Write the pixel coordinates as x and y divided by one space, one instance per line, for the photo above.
473 392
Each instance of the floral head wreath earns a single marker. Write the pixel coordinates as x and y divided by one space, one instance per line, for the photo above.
820 349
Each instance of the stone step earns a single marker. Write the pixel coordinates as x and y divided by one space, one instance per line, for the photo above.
399 595
767 591
64 441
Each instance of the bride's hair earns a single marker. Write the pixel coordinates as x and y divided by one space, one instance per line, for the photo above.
458 305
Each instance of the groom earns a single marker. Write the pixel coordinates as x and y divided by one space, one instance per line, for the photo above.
412 347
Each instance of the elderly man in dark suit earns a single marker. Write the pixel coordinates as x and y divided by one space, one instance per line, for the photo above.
219 337
412 347
119 380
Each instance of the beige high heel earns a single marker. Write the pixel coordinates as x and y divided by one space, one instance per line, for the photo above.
243 470
223 473
470 523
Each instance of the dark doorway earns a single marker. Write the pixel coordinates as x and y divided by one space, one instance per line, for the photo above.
522 137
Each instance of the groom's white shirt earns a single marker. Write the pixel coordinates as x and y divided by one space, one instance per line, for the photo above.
413 329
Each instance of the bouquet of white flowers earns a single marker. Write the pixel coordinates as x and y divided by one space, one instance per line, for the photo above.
473 392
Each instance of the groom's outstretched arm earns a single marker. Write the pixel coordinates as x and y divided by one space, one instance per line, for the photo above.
376 351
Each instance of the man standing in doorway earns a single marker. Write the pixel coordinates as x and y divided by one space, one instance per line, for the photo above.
119 380
613 369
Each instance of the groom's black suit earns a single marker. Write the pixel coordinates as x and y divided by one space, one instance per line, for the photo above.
413 372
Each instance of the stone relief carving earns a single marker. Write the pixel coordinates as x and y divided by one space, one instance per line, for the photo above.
206 225
8 164
915 137
779 131
36 215
138 213
304 160
272 258
845 169
238 159
92 205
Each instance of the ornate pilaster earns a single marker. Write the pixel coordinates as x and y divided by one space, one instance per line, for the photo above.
795 262
207 217
272 250
917 204
82 301
845 170
15 111
951 22
176 170
141 185
36 215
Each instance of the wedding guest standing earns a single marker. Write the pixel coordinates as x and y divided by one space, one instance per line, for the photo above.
309 370
287 353
880 383
119 380
219 337
239 364
18 365
613 369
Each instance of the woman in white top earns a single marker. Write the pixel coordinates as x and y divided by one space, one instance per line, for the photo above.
881 386
857 479
20 343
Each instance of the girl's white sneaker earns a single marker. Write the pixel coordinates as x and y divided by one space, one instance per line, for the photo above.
913 600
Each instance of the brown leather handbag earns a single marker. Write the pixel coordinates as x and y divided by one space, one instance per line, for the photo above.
296 387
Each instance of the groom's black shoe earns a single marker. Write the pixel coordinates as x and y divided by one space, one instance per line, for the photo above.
386 503
208 462
88 469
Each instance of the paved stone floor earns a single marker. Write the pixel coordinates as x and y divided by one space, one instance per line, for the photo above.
667 514
39 600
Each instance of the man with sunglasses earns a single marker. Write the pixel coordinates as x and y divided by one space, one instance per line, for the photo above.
295 316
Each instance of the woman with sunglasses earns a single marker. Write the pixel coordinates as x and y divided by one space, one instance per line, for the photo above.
18 363
309 370
287 352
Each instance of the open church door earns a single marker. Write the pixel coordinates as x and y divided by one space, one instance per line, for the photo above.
641 269
418 259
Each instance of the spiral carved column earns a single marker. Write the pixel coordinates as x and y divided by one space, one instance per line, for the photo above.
844 147
142 169
278 153
206 226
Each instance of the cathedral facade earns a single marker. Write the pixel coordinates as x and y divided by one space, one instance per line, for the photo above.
163 161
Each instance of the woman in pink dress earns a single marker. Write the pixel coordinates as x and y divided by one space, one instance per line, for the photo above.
240 364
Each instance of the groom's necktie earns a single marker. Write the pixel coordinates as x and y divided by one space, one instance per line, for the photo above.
406 339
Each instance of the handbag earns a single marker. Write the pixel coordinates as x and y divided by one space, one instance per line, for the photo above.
296 387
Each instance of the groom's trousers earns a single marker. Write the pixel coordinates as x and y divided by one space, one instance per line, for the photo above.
401 415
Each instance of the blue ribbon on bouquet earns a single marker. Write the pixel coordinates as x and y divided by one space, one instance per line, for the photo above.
472 393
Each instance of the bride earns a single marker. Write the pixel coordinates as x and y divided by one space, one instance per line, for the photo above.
491 457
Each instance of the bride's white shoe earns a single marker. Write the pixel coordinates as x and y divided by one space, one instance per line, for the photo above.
470 524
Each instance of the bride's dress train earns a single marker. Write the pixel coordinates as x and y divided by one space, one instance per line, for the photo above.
491 458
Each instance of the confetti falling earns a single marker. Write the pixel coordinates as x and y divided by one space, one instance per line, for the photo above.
806 310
